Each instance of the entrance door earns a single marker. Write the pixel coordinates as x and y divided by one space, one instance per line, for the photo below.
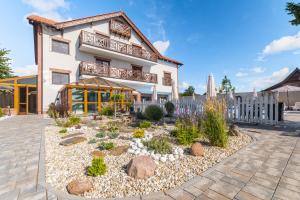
22 100
32 95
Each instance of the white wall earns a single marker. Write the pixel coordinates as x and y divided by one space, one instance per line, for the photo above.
71 61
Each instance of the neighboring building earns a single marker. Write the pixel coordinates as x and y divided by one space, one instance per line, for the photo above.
109 47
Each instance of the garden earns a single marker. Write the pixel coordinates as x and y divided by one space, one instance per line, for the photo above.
122 154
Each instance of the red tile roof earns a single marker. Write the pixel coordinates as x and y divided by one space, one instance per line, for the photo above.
65 24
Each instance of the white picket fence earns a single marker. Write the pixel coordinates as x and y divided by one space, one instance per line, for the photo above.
263 109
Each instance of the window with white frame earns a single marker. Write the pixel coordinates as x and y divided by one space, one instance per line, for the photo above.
59 78
60 46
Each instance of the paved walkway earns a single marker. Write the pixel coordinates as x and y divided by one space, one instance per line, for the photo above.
20 143
267 169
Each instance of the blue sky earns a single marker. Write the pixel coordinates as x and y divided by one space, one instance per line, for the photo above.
251 42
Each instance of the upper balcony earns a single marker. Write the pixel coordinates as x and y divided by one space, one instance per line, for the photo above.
94 69
96 43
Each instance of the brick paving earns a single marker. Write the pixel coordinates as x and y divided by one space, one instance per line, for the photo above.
269 168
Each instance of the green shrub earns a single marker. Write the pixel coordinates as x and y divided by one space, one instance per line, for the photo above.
139 133
1 113
98 167
145 124
113 134
92 141
107 111
214 124
63 131
63 122
74 120
140 115
187 129
154 112
101 134
59 110
106 145
159 145
170 108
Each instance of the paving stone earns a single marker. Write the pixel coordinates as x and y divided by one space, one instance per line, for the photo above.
10 195
203 183
193 190
290 181
291 174
245 196
225 189
214 195
233 181
285 193
258 191
290 187
264 182
180 194
214 175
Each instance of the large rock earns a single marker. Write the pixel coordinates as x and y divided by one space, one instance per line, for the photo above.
72 141
71 135
119 150
234 130
97 154
197 149
78 187
141 167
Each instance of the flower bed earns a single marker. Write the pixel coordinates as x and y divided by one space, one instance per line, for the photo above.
67 163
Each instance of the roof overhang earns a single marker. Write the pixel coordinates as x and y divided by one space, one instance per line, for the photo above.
293 79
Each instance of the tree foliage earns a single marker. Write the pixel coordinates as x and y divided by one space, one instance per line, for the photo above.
226 86
5 70
189 91
294 9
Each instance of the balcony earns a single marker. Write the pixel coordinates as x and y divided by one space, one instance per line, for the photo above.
93 69
167 81
105 43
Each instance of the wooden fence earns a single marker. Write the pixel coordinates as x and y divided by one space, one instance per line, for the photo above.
244 107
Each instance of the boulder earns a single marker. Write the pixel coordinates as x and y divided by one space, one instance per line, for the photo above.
78 187
119 150
97 154
233 130
141 167
72 141
71 135
197 149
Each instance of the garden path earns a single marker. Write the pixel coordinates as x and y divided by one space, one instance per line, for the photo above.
269 168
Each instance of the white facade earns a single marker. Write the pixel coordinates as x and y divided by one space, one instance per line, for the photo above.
78 53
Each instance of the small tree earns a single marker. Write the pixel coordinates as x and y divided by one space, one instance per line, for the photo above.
189 91
116 98
226 86
5 70
294 9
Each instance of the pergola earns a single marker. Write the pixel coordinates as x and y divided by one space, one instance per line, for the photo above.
92 94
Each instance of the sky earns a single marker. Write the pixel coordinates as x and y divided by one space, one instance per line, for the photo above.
252 42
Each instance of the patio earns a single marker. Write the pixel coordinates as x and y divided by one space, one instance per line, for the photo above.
266 169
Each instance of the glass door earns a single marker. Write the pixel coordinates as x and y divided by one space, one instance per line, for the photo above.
22 100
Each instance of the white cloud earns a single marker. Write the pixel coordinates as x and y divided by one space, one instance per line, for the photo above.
285 43
258 69
241 74
162 46
184 85
48 8
25 71
276 77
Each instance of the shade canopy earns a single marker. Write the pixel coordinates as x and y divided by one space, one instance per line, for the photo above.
211 88
101 82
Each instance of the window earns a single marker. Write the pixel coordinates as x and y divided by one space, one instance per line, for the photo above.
60 46
59 78
103 61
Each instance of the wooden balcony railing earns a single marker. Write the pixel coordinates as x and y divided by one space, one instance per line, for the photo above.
167 81
100 41
94 69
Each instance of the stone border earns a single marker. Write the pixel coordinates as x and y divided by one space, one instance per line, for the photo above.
53 193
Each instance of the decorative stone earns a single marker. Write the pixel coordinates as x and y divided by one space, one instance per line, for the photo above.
234 130
72 141
78 187
97 154
119 150
197 149
71 135
141 167
78 127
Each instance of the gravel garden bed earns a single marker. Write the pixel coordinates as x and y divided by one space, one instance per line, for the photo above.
67 163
